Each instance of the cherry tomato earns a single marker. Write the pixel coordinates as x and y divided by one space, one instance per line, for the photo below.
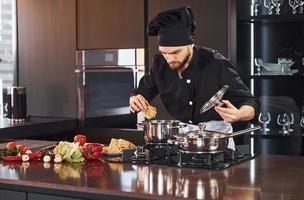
21 148
11 145
82 139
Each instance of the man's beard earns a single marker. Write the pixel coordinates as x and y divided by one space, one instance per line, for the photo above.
179 65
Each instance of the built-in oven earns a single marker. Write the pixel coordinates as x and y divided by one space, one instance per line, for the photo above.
105 79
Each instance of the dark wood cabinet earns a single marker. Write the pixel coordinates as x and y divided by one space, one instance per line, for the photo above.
34 196
110 24
10 194
47 45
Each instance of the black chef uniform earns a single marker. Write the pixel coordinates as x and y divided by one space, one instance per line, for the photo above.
208 72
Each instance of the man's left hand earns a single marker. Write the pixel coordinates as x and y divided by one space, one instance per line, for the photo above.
231 114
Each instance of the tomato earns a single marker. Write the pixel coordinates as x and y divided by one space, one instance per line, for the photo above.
82 139
11 145
21 148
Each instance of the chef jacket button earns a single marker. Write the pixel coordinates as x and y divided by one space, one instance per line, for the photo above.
190 122
190 103
188 81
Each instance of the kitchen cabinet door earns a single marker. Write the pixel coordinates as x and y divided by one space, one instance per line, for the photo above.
33 196
9 194
110 24
46 56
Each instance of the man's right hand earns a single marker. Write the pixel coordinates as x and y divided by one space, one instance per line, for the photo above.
138 103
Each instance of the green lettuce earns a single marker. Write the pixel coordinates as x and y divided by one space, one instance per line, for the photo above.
69 151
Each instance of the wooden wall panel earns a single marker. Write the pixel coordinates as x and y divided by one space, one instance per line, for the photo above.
211 22
47 44
110 24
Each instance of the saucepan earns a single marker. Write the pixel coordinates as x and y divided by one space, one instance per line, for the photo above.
159 131
206 141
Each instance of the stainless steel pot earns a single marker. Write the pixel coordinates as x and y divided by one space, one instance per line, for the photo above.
159 131
207 141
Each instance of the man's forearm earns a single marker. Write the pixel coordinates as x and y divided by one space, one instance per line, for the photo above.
246 113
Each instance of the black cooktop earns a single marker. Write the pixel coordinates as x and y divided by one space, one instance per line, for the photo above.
170 155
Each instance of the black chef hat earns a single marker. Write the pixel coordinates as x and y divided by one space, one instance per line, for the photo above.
173 27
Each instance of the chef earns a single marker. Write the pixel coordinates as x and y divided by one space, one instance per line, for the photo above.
186 75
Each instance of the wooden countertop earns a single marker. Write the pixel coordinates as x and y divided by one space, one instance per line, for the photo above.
265 177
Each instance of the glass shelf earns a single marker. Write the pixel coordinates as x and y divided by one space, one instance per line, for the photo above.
291 77
274 133
273 18
260 135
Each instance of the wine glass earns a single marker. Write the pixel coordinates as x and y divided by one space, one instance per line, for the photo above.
302 122
8 56
277 4
283 121
259 63
294 4
264 118
290 119
285 64
255 4
269 6
301 4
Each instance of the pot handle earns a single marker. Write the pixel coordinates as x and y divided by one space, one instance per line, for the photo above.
247 130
